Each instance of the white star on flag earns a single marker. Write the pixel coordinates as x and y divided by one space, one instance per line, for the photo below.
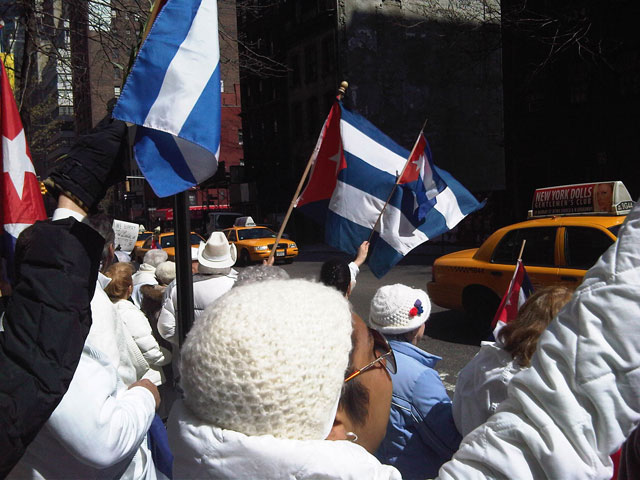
16 161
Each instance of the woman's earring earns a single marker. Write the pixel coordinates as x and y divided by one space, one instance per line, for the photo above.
352 437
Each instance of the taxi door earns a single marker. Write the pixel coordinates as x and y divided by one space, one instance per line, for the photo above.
580 248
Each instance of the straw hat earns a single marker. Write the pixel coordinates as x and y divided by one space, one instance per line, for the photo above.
217 252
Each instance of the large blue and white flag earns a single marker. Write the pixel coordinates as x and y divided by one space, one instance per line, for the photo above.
173 95
355 171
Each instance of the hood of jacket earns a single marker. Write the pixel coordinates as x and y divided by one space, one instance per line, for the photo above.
425 358
204 451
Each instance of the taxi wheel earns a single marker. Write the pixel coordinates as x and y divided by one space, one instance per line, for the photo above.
245 258
481 305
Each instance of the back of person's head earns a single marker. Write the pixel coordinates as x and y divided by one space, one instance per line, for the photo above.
260 273
335 273
398 309
103 224
269 358
520 337
166 272
120 275
155 257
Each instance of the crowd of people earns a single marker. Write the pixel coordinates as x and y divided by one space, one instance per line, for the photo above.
280 377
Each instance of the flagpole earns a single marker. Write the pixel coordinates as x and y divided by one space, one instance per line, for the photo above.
398 177
341 92
522 249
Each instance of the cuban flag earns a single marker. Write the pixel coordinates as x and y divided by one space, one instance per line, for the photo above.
421 178
520 288
20 193
355 169
173 95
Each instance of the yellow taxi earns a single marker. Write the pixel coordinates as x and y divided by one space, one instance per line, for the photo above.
167 243
569 228
254 243
142 236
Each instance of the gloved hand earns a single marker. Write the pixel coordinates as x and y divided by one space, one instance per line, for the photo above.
94 163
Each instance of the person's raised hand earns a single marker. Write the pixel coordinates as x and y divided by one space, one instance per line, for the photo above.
94 163
363 251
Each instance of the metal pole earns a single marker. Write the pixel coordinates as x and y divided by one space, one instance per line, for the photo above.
184 282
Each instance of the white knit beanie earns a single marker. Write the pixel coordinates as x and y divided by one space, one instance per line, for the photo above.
269 358
398 309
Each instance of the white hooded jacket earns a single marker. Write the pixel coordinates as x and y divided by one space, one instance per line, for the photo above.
580 399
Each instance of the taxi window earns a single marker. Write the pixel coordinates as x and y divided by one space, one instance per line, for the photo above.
147 243
538 250
167 242
583 246
232 236
195 239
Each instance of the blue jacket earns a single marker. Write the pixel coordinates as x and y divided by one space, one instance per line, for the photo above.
421 435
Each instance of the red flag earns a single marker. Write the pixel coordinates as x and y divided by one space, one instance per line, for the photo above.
328 162
20 193
519 290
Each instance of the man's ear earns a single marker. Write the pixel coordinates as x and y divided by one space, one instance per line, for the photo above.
339 429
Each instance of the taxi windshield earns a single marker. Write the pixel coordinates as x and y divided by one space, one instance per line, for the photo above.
251 233
615 229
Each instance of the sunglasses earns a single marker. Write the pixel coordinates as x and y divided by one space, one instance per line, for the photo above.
383 353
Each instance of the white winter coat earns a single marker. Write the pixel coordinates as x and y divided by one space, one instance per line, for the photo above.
138 327
146 275
580 399
203 451
97 431
482 386
206 289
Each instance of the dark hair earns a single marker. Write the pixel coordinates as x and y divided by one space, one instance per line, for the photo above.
103 224
354 398
520 337
336 273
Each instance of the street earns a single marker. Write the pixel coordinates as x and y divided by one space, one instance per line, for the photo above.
446 334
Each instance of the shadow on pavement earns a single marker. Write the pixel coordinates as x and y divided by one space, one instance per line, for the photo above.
452 326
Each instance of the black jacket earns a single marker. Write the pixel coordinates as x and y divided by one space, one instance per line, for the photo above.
45 326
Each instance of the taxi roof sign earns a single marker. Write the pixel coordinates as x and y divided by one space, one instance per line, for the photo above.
601 198
244 222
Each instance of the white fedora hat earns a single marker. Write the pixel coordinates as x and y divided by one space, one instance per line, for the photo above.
217 252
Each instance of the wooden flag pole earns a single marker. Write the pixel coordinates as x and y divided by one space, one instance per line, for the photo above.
522 249
341 92
398 177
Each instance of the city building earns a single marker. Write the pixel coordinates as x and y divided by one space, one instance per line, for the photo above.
406 63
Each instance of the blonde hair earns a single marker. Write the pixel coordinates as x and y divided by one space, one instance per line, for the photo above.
520 337
120 274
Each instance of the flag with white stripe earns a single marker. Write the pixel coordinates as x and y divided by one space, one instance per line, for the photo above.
520 288
173 95
354 172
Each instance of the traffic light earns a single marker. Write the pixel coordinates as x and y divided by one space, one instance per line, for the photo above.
43 189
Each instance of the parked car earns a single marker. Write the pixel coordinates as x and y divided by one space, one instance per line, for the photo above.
142 237
167 243
559 249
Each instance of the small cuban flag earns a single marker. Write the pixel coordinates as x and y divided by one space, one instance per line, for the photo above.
173 94
20 197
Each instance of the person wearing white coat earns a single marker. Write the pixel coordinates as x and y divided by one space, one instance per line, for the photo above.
136 323
580 399
98 429
215 277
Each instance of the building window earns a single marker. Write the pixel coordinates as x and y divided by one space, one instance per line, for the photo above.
65 110
116 92
221 86
310 63
240 137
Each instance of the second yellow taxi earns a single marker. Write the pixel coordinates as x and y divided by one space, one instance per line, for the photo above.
254 243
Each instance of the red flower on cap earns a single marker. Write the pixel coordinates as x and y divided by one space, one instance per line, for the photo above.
413 312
